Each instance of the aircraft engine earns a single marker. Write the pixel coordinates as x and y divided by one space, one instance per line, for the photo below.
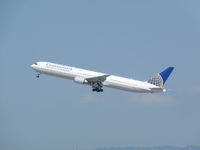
80 80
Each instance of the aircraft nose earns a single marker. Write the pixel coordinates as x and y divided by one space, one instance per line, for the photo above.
33 65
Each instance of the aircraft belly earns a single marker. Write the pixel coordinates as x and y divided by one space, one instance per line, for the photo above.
124 87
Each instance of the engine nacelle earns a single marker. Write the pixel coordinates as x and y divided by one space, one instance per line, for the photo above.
80 80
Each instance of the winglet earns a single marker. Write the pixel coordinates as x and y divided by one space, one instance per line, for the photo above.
161 78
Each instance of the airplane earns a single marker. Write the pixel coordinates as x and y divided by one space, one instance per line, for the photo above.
97 80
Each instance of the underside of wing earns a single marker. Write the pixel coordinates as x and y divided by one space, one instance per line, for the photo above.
97 79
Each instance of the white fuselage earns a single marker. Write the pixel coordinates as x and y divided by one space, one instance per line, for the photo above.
111 81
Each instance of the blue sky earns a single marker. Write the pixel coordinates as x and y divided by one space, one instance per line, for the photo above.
135 39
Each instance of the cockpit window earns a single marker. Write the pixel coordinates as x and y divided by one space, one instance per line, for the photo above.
35 63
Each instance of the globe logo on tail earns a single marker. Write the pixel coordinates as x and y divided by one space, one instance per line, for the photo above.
157 80
161 78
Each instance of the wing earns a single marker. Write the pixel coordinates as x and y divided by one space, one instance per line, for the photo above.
97 79
97 82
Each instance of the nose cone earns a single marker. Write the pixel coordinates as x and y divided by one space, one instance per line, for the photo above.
33 66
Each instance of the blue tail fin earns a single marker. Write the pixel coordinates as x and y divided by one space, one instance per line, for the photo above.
161 78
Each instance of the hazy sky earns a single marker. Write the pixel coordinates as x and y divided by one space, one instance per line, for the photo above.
135 39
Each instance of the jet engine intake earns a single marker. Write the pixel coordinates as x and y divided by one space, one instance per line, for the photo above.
80 80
